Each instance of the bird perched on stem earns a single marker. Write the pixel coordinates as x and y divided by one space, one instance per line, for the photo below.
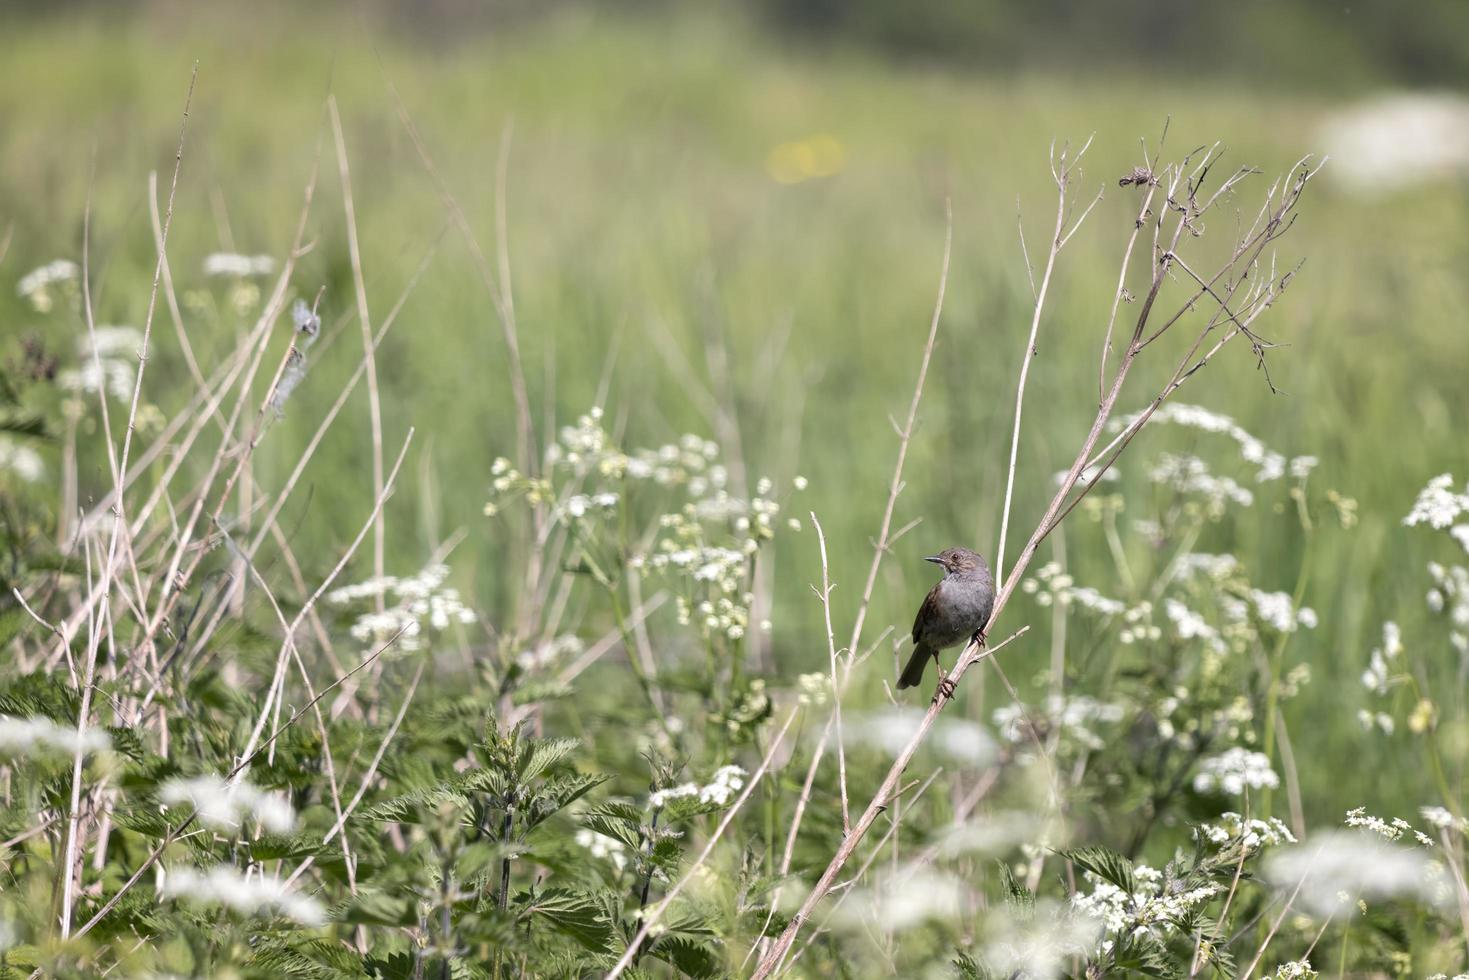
956 609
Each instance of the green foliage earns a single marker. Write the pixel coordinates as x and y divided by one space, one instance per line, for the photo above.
506 765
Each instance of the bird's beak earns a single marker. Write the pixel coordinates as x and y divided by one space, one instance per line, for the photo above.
935 559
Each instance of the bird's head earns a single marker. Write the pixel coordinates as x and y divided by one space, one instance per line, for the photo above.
957 561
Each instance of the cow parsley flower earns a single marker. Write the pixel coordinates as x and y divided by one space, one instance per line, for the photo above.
226 805
1234 771
1438 504
246 894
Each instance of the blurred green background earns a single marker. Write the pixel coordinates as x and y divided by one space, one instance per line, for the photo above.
744 204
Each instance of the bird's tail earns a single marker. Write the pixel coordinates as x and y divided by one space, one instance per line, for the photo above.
912 674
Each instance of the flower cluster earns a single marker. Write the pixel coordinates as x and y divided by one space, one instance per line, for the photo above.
1250 835
21 460
1152 907
423 603
226 805
1189 474
36 284
721 788
237 265
1376 677
1234 771
246 894
1269 465
1393 830
1075 717
1294 970
604 847
39 735
108 360
1438 505
1437 816
1051 585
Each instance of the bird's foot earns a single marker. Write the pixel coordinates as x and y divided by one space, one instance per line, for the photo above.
946 685
980 638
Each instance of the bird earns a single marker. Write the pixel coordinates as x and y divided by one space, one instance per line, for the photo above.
956 609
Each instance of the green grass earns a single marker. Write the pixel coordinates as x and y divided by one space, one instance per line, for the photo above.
641 218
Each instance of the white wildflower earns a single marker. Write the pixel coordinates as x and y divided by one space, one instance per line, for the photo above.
33 285
902 900
1233 771
1038 945
37 734
248 895
815 689
1349 864
21 460
727 781
1301 466
602 846
1437 504
226 805
1189 474
240 266
1294 970
889 730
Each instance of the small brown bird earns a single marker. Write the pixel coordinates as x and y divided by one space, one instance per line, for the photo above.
956 609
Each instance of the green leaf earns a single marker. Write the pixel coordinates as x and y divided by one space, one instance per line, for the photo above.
693 958
574 914
370 907
544 754
1105 863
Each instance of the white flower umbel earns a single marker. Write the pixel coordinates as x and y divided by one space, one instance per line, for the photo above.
1294 970
1332 870
720 790
1234 771
34 285
1148 908
424 603
1393 830
21 460
37 735
1269 465
1189 474
890 729
240 266
1438 504
602 846
1038 945
1377 676
904 899
245 894
225 806
1395 141
1251 834
1278 611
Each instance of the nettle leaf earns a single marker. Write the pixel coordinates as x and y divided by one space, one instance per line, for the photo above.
1145 954
412 807
1016 894
557 794
543 754
294 847
621 829
574 914
682 808
370 907
535 693
305 958
1105 863
693 958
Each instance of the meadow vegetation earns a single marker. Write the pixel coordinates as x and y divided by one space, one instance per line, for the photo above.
462 510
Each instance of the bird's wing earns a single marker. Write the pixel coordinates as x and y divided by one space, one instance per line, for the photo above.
926 611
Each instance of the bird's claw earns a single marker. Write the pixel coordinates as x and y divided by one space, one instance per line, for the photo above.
979 637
